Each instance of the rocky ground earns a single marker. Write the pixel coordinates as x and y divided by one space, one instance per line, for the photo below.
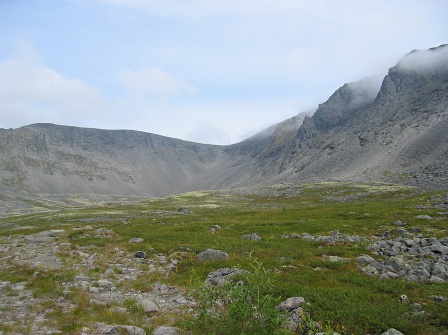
24 311
410 255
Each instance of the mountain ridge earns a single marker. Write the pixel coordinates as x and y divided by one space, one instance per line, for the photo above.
394 130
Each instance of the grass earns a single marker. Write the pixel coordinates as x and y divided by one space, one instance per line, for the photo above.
337 292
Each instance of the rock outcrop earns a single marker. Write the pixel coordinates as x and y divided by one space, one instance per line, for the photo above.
414 258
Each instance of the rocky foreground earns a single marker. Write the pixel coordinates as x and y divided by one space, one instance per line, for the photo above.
410 255
24 313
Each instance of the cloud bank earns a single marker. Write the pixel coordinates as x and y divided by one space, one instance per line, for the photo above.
419 61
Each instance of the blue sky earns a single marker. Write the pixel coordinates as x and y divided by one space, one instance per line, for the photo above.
209 71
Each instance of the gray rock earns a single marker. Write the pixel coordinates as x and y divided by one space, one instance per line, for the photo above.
335 237
103 231
436 280
211 255
42 237
439 298
127 330
397 263
440 270
290 304
437 247
166 331
252 237
136 240
149 306
335 259
293 235
392 331
389 275
221 276
308 237
294 319
409 243
56 232
365 260
104 283
140 254
370 271
425 217
46 260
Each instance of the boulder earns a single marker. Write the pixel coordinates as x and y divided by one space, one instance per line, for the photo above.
136 240
212 255
397 263
149 306
290 304
140 254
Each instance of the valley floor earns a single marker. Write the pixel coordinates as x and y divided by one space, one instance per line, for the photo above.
351 251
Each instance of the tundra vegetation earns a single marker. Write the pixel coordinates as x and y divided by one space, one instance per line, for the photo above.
94 241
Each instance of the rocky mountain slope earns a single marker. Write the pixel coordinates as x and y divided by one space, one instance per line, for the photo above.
399 134
394 130
58 159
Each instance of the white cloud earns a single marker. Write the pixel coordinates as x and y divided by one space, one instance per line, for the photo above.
30 92
155 81
421 61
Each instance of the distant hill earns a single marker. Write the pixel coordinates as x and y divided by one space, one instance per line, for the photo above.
394 130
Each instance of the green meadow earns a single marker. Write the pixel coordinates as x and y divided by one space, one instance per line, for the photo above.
179 226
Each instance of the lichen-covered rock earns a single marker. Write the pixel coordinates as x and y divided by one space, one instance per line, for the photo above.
221 276
211 255
252 237
149 306
291 304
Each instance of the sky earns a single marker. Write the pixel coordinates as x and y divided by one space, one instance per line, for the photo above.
208 71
